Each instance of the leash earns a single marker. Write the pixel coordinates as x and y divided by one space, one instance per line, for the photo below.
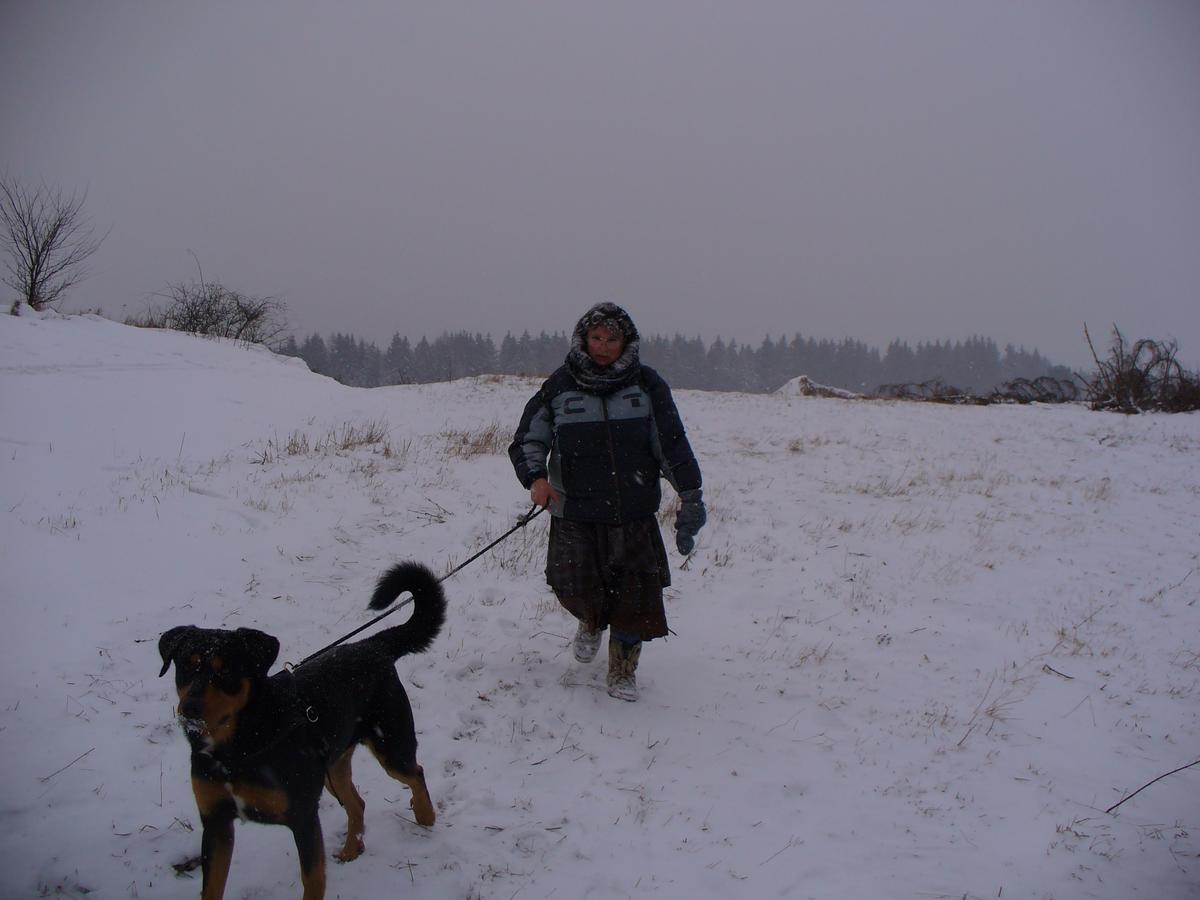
533 513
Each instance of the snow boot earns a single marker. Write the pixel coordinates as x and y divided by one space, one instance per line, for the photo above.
622 664
586 643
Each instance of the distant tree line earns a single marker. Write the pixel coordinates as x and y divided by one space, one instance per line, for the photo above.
975 365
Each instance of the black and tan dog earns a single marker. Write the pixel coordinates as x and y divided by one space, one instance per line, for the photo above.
263 747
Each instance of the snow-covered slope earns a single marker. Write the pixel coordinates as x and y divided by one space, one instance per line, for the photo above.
918 651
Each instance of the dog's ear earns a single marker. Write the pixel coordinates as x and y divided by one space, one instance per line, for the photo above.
169 644
261 649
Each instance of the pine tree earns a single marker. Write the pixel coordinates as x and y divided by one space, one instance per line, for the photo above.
315 354
398 362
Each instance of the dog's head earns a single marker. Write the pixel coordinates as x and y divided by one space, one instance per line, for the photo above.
215 673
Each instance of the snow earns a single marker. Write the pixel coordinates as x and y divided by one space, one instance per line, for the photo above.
803 386
918 651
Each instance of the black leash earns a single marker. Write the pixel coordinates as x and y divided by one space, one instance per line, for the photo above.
533 513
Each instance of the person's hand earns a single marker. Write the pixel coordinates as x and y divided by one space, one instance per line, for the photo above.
689 520
542 494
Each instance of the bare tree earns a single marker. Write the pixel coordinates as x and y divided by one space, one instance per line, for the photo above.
47 240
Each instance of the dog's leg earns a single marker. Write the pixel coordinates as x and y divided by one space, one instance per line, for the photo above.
422 803
411 774
216 852
216 809
339 781
392 738
310 847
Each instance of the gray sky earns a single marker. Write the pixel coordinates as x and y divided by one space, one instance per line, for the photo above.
867 168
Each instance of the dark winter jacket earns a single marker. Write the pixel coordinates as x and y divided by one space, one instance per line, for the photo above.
605 453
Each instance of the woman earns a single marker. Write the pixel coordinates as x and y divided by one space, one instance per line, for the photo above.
591 446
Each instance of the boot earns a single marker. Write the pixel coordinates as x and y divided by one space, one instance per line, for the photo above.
622 664
586 643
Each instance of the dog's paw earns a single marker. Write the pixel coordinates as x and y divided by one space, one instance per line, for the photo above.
351 850
423 811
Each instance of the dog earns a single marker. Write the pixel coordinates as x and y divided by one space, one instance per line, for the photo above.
264 747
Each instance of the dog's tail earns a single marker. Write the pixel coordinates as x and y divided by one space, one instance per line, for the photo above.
429 607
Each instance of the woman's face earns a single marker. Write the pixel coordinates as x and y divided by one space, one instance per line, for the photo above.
604 345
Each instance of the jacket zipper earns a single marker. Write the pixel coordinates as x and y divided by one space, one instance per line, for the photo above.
612 456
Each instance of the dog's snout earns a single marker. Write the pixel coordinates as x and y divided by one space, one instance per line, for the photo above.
191 708
191 705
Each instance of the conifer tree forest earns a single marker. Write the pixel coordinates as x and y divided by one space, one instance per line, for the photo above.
976 365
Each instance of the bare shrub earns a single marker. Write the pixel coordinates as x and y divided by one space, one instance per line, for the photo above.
210 308
1045 389
1142 377
933 391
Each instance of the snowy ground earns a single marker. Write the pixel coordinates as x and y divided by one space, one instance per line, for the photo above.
919 649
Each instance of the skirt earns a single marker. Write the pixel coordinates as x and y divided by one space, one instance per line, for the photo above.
610 575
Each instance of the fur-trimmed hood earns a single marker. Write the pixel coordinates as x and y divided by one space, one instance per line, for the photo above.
610 316
604 380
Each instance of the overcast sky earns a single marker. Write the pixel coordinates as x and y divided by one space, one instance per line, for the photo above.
920 169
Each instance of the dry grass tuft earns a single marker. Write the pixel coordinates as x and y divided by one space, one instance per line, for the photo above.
486 441
343 439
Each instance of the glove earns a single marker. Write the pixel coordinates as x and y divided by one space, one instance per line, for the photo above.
689 520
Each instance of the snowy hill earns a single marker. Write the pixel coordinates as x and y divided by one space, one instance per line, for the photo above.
918 652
